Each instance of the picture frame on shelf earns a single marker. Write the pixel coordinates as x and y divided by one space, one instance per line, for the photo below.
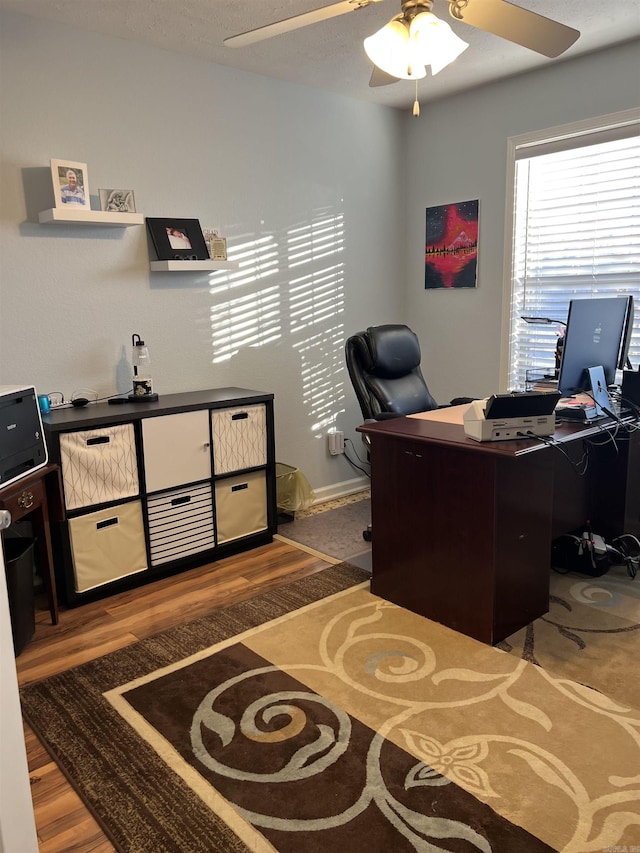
117 201
178 239
216 244
70 184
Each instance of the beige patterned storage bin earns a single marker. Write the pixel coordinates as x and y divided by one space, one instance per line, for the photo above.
107 545
180 523
99 465
239 438
241 505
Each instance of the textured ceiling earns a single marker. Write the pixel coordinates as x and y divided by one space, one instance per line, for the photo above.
329 55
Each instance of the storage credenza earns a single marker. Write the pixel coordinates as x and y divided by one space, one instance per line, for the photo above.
151 489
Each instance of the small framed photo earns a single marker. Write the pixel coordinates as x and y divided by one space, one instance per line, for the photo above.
216 244
117 201
70 184
178 239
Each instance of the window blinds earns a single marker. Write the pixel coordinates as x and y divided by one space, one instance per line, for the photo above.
576 235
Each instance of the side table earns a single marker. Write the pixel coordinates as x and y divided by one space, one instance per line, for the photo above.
39 495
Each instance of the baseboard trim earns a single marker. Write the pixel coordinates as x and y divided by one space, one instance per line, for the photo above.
340 490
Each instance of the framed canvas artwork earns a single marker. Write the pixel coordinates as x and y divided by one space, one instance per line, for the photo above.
451 246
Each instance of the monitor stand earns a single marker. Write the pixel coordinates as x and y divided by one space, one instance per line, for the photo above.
599 391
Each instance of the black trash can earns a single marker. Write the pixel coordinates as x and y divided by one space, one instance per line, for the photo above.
19 566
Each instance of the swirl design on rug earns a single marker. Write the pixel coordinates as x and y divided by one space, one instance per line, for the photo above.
357 719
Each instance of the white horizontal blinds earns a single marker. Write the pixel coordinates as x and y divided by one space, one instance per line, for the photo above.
576 235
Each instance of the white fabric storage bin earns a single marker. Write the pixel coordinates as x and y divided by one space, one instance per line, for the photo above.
239 438
107 545
98 466
180 523
241 505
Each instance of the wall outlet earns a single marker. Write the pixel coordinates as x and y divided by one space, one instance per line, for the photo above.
336 442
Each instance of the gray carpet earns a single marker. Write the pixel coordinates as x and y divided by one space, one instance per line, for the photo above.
336 532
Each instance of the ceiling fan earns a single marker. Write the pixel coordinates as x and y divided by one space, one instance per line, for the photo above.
416 38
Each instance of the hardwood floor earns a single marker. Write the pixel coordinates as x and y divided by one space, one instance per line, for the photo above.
92 630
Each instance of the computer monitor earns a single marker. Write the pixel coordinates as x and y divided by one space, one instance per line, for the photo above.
595 336
623 361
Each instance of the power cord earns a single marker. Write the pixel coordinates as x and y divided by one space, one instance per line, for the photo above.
550 442
627 426
621 547
609 438
631 405
352 463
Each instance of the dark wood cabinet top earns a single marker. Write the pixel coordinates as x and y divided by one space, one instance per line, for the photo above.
105 414
453 435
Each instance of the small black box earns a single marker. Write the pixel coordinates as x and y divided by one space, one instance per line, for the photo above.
631 387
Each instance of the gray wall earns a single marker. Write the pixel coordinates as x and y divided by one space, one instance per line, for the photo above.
459 145
265 161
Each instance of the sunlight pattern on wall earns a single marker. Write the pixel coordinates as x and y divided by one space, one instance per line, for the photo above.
289 288
246 316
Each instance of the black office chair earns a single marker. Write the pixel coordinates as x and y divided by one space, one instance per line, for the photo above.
384 367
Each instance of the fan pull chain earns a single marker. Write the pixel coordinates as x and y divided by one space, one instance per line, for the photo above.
416 105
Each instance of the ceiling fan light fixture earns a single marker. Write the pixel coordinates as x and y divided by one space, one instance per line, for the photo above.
433 42
390 50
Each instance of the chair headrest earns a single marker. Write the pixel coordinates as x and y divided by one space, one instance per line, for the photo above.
395 350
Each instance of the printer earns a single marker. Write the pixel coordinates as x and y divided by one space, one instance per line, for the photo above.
22 444
505 417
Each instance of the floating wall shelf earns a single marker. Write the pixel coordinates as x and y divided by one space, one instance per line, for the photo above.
60 216
190 266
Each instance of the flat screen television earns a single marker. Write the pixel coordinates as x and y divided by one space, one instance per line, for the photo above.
597 335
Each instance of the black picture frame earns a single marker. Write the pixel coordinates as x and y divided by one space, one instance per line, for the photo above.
172 246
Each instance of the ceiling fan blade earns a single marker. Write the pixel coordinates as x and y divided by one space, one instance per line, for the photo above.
297 21
381 78
517 25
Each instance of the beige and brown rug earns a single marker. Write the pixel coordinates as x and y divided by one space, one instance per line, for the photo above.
591 633
318 717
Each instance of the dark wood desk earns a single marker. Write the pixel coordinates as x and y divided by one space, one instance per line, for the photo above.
462 530
38 495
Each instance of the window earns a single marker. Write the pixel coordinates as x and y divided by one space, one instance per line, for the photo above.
576 233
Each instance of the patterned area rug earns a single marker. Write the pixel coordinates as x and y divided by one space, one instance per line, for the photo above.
318 717
591 633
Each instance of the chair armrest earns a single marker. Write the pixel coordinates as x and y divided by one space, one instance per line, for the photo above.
387 416
460 401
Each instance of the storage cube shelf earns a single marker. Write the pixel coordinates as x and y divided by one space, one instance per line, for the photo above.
158 488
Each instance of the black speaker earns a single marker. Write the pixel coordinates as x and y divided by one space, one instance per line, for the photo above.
631 387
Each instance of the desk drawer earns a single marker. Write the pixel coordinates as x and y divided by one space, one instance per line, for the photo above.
99 466
21 501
